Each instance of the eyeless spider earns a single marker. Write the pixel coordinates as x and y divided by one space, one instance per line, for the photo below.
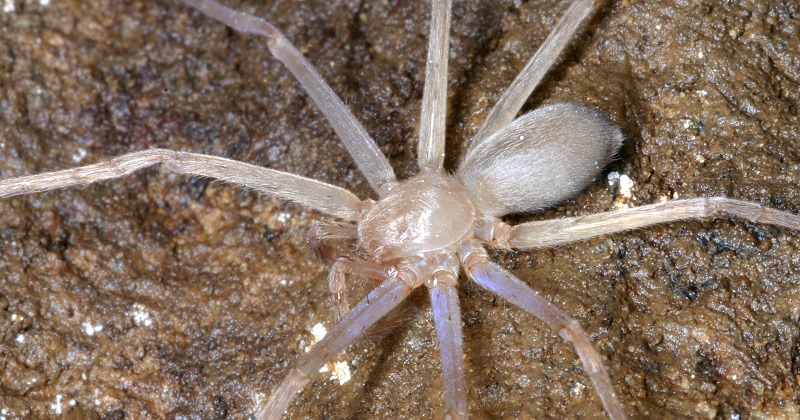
456 404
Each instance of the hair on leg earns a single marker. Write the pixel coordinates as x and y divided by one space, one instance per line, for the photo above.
496 279
313 194
447 317
430 150
337 281
526 81
544 233
371 309
368 157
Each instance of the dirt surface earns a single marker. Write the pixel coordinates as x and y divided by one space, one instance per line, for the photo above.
160 296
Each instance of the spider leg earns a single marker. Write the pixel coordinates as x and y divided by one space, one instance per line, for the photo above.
336 281
370 310
447 317
317 195
430 150
322 240
496 279
570 229
368 157
526 81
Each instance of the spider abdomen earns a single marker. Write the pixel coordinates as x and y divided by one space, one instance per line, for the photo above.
427 212
540 159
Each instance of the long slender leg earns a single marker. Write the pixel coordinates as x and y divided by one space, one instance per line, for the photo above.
430 151
317 195
496 279
337 284
570 229
369 158
526 81
447 317
372 308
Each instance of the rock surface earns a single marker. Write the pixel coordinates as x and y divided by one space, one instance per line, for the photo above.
162 296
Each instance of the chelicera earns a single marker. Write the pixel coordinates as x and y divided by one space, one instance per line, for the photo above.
422 229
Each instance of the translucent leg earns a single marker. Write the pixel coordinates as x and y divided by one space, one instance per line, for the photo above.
570 229
447 316
313 194
369 158
377 304
337 283
430 151
506 285
521 88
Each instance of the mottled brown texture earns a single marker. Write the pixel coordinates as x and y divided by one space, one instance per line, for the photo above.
695 319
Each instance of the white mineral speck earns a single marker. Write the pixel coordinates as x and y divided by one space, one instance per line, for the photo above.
140 315
625 186
78 155
341 371
90 329
613 178
8 6
577 390
318 331
56 406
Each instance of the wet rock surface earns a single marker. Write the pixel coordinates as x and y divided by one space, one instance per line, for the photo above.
161 296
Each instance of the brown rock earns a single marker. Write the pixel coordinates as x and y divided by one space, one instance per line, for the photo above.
159 296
